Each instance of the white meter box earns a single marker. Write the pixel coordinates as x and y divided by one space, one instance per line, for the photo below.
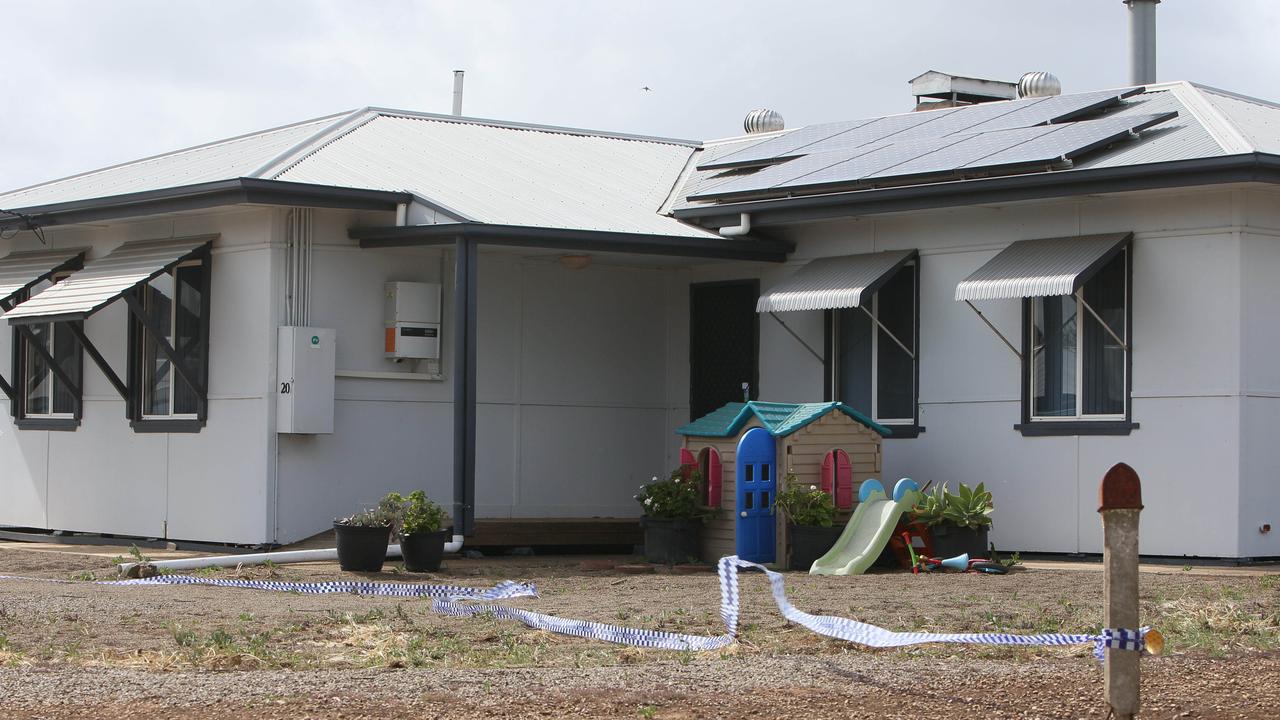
307 362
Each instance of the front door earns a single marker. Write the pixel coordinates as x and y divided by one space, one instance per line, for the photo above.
724 333
757 482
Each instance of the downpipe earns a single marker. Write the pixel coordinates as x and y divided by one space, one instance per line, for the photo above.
283 557
742 228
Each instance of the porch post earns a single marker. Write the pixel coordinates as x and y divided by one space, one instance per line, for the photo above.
464 385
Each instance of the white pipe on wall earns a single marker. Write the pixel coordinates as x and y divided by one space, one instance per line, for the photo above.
279 558
742 228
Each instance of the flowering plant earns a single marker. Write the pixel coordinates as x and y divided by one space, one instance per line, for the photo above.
676 498
805 504
389 513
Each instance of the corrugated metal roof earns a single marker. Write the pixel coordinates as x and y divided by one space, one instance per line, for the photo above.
104 279
832 282
20 270
1037 268
780 419
1257 120
509 176
222 160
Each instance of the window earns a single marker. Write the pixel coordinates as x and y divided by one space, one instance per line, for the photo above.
174 326
1077 362
872 354
45 398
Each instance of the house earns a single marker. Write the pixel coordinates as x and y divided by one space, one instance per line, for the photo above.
745 451
1022 291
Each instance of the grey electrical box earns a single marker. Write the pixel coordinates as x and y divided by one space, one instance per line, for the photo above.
412 320
306 361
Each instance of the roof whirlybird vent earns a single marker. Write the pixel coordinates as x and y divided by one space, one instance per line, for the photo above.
763 121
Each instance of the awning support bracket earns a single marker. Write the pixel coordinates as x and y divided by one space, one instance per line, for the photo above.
47 356
799 339
99 360
135 307
887 331
995 330
5 306
1103 323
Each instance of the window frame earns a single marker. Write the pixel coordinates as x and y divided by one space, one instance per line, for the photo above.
138 334
901 427
1110 424
44 421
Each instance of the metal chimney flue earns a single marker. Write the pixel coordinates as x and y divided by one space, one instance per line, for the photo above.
457 91
1142 41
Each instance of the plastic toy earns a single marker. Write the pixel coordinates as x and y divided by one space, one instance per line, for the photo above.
962 563
868 531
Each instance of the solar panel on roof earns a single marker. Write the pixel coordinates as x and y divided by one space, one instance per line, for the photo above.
1041 145
1072 139
984 117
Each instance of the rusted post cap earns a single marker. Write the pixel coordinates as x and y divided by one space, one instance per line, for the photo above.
1120 489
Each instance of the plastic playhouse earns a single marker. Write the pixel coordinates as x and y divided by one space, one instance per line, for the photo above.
744 449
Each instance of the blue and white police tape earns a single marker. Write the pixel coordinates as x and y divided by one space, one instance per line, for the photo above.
458 601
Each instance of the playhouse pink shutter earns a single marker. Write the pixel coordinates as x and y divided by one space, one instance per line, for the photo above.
844 480
828 474
688 463
713 478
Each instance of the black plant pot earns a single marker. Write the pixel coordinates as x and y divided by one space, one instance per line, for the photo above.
422 551
361 549
670 541
809 542
952 540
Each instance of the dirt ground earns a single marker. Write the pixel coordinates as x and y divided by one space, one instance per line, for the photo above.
79 650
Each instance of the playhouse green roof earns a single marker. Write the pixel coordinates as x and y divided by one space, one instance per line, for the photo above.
778 418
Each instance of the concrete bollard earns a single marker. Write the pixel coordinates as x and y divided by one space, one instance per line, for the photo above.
1119 503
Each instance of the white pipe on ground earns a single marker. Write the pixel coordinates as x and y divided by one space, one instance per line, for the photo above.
279 558
742 228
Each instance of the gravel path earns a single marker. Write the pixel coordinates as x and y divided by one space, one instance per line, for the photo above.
84 651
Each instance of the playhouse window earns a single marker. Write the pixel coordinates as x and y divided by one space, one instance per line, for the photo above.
45 399
176 305
712 476
874 368
1077 363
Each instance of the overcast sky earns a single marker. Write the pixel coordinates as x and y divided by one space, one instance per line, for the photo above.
87 84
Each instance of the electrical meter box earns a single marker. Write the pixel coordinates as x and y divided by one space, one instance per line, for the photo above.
306 364
412 320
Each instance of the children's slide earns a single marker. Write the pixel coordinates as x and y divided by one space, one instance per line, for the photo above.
869 529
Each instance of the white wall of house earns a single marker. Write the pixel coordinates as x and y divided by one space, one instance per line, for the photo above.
573 375
1203 449
103 477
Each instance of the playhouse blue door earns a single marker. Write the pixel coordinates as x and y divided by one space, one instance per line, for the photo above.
757 484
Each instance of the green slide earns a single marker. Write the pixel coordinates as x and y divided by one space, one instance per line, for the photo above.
869 529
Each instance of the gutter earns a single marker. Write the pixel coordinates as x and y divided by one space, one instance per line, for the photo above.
743 248
236 191
1251 167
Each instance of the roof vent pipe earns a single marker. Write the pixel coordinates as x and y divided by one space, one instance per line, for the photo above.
457 91
1142 41
762 121
1038 84
742 228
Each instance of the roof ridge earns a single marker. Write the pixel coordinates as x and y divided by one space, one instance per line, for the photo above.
1220 127
282 162
533 127
170 153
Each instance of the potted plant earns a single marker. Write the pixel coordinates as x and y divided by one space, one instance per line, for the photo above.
363 537
958 522
672 518
811 516
422 534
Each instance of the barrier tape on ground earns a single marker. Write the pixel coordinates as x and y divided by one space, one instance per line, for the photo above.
458 601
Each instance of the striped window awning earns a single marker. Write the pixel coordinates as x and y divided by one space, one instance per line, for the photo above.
834 282
1039 268
104 279
22 271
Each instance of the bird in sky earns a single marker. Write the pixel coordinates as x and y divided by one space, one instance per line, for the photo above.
646 88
